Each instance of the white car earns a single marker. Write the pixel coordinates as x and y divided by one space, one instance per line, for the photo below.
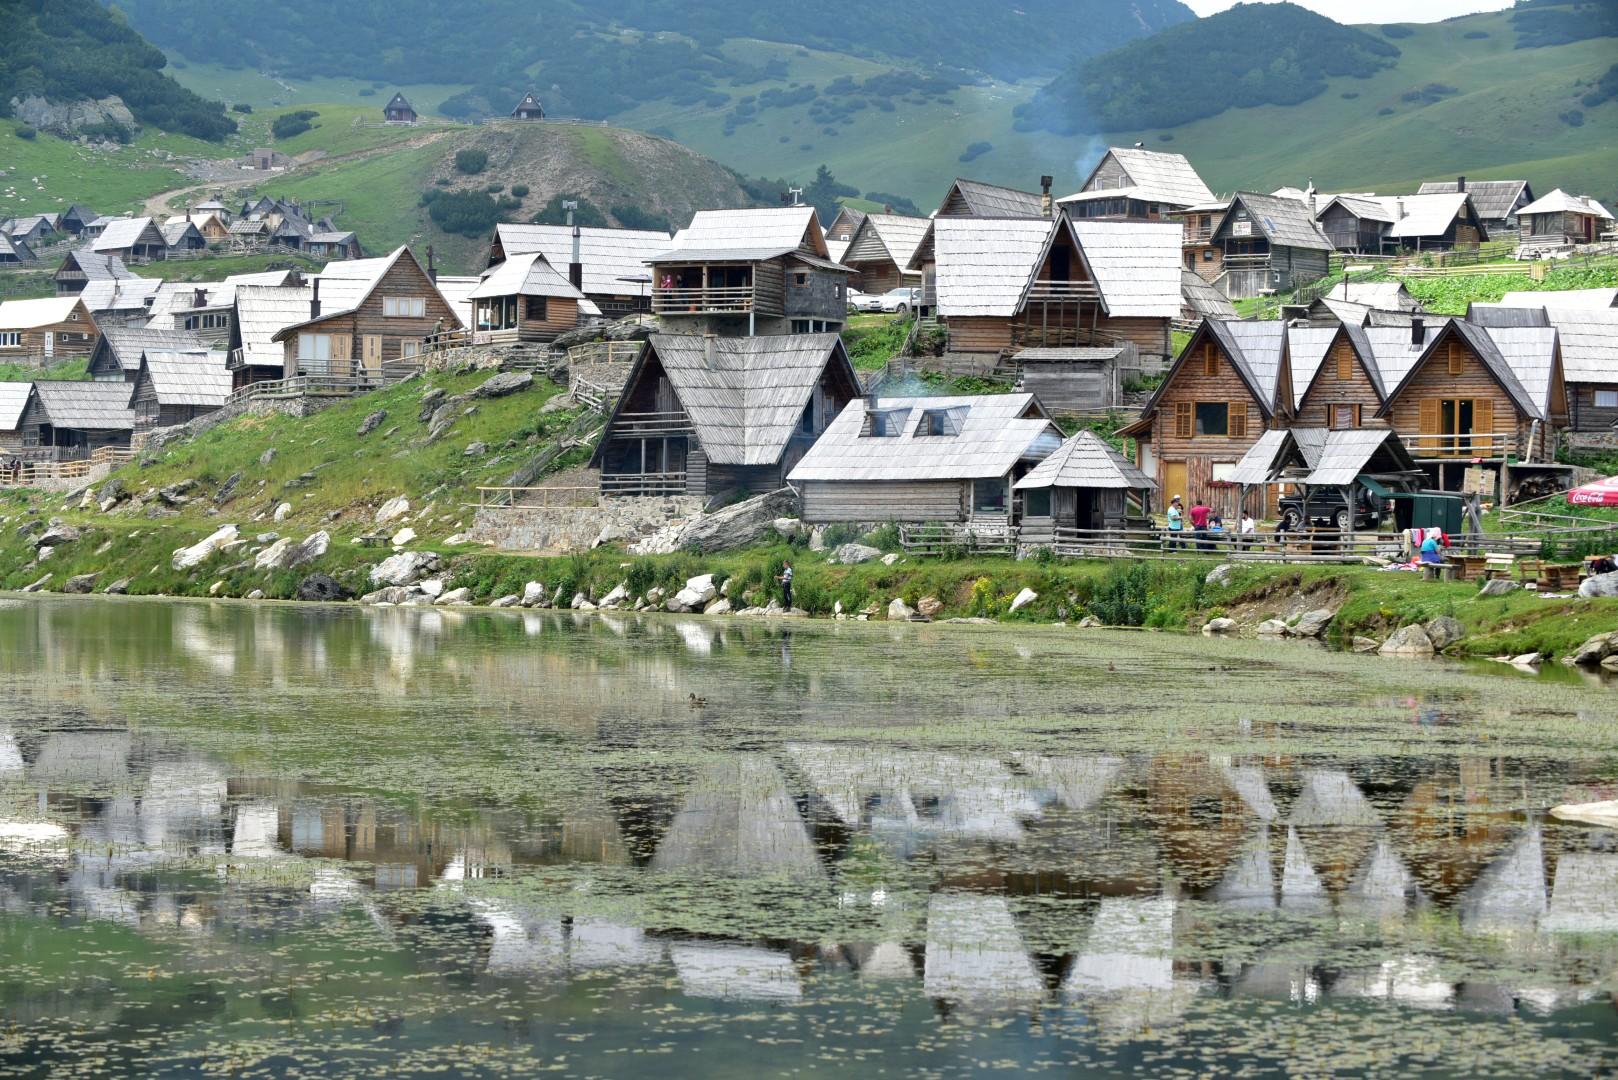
901 300
858 301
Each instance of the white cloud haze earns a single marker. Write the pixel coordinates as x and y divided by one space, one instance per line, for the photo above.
1374 11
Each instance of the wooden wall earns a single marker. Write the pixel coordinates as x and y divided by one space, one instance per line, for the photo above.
1587 416
979 333
561 315
1149 335
405 278
769 287
1192 383
70 338
916 501
1109 174
1433 381
1329 389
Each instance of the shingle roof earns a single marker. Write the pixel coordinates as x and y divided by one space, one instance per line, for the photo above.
1395 354
1256 349
992 200
1202 298
262 311
606 254
991 439
1368 207
1259 463
1495 200
1589 341
17 249
123 233
745 396
337 237
1344 455
1560 201
345 283
27 314
1306 348
175 232
196 377
1562 298
1386 295
457 291
1331 458
1160 177
1401 358
128 342
891 233
985 264
13 400
175 297
1136 266
1284 222
86 406
1530 353
1086 460
1424 215
98 267
120 294
249 227
529 275
746 234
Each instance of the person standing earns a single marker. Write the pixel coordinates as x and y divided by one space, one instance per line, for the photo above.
785 578
1176 516
1200 512
1249 529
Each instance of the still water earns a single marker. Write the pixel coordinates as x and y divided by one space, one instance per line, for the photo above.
281 841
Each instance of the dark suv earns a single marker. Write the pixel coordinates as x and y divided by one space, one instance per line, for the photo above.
1329 507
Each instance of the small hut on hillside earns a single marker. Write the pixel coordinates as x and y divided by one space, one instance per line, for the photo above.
528 108
172 387
399 111
1085 484
526 299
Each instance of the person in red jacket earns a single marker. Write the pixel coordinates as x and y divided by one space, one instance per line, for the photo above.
1199 514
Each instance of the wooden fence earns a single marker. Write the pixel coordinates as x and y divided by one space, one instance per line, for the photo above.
538 498
35 473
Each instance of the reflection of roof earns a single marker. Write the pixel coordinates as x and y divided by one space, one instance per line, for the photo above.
992 436
738 817
1086 461
975 952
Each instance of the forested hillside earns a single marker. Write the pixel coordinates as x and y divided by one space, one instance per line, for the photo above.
596 60
71 50
1253 54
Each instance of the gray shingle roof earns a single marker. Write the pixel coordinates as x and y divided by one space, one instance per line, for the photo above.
27 314
176 232
1344 455
1283 222
124 233
745 396
606 254
1562 298
1330 457
890 234
1159 177
1256 349
13 400
17 249
1560 201
1495 200
747 235
1367 207
86 406
128 342
1086 461
1306 348
529 275
194 377
1387 295
992 437
1530 353
1135 265
1425 215
985 264
98 267
992 200
262 311
1259 463
1202 298
1589 341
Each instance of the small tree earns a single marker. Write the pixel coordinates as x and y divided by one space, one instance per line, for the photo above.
471 161
520 190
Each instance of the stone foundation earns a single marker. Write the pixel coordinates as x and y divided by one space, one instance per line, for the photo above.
563 529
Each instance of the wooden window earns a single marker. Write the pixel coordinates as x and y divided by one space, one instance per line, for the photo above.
536 309
404 307
408 348
1457 359
800 279
1605 399
1213 418
1345 364
1210 360
1237 422
1183 420
10 339
1344 417
314 346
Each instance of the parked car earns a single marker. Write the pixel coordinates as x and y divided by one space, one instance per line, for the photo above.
858 301
1327 506
900 300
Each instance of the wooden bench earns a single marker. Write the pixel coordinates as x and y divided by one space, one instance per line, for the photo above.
1528 568
1444 571
1498 565
1467 567
375 540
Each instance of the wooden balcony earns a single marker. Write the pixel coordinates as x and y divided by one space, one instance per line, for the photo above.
737 300
651 425
1471 445
1065 292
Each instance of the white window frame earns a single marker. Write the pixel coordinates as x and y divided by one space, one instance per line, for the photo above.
1604 399
318 341
10 339
404 307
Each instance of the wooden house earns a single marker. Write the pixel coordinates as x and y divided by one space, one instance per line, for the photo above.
258 314
764 271
76 217
1011 283
112 301
609 266
1433 222
76 418
249 234
705 415
1084 484
14 252
973 198
172 387
117 354
925 459
1224 388
39 331
14 397
881 251
265 159
205 308
332 244
398 110
1197 251
528 108
1499 203
525 299
1134 184
216 207
131 239
31 229
210 224
1268 244
364 313
840 233
1335 379
1587 338
182 237
1356 223
1560 218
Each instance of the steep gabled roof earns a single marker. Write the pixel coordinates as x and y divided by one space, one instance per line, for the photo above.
745 396
529 101
1483 346
978 199
1365 207
1531 354
1136 266
1155 176
1495 200
174 234
13 401
1283 222
991 436
1088 461
27 314
889 235
96 266
607 255
1308 346
1255 350
345 284
86 406
195 377
124 233
17 249
127 343
262 312
1589 343
985 264
1560 201
1202 298
529 275
120 294
747 235
398 101
1427 215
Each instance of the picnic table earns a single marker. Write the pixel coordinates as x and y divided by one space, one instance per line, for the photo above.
1467 567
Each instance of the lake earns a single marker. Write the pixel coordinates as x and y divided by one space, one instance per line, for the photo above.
276 840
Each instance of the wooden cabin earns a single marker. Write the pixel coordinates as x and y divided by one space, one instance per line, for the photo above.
41 331
14 398
1356 223
398 110
1012 283
1434 222
1560 218
925 459
1084 484
210 224
844 226
365 313
265 159
1134 184
74 419
973 198
31 229
14 252
76 217
131 239
249 234
764 271
183 236
881 252
528 108
609 266
1269 244
1076 378
172 387
258 314
332 244
116 357
1587 338
1336 382
525 299
1224 388
1499 203
1197 251
706 415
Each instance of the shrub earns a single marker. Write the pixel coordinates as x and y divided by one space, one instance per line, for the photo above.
289 125
25 132
1572 118
107 131
975 151
495 189
885 537
466 213
1349 95
520 190
1121 598
241 107
1165 137
1396 31
471 161
633 217
369 91
428 196
1386 110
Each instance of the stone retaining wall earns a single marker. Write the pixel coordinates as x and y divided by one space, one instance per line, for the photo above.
558 530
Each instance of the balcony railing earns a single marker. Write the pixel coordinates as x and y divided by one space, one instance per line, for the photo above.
672 483
1070 291
1471 445
652 425
1248 262
703 301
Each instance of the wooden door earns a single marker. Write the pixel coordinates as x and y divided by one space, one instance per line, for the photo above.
371 355
1174 482
50 344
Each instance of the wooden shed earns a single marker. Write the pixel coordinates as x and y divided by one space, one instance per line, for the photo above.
528 108
76 418
76 217
881 251
701 415
80 268
1269 244
14 252
398 110
1434 222
172 387
1132 183
1356 223
525 299
37 331
131 239
1498 202
1084 484
922 459
31 229
116 357
1074 378
183 236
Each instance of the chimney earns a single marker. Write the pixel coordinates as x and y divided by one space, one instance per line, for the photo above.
1418 332
1399 209
1460 184
1045 195
707 350
432 271
575 269
314 301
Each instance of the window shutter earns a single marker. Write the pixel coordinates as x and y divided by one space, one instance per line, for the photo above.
1457 358
1483 423
1182 420
1428 422
1345 363
1210 360
1357 420
1236 426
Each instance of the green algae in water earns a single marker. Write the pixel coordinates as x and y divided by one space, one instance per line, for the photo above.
278 841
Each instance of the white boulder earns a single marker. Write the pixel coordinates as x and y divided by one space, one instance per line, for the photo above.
396 507
404 536
187 557
1023 599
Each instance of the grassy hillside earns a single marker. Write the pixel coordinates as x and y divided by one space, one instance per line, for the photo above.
46 173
